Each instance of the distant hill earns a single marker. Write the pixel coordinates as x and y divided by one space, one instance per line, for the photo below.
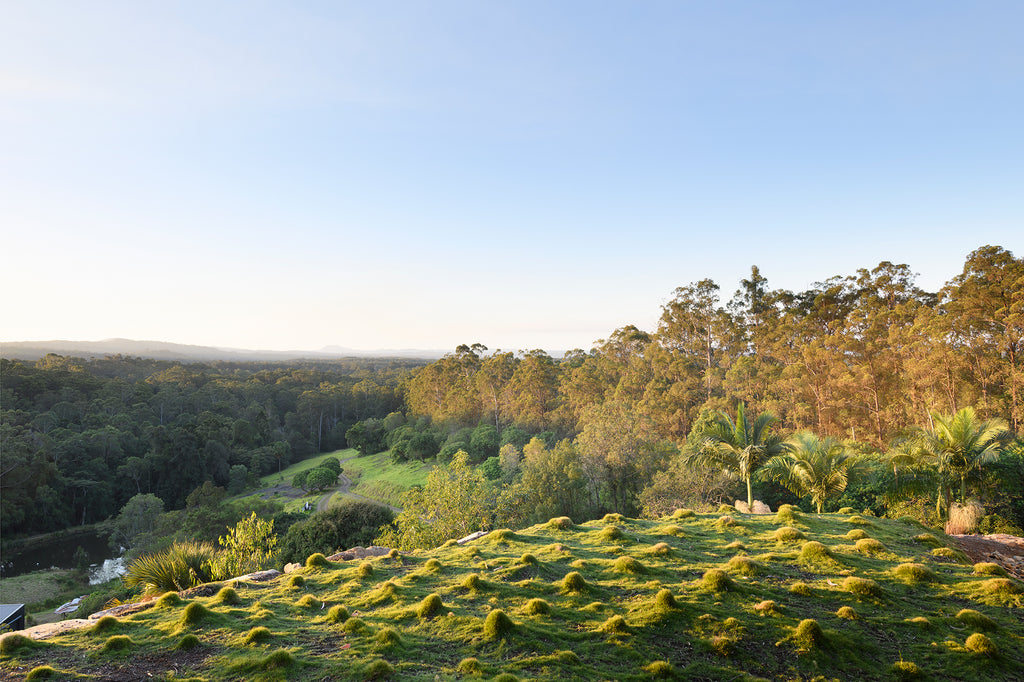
161 350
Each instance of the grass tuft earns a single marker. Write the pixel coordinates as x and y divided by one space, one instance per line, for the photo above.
560 523
662 549
858 520
387 638
787 534
627 564
613 518
365 569
282 658
432 565
683 514
766 607
257 635
856 534
929 539
430 606
117 643
847 613
988 568
337 614
573 582
951 554
864 587
473 582
726 509
168 600
980 644
502 535
659 670
470 666
906 670
296 581
673 530
308 601
869 546
377 669
726 521
537 606
187 642
716 580
847 510
915 573
104 625
12 644
813 552
921 622
976 619
665 600
42 672
745 566
193 615
354 626
801 588
528 558
614 625
497 625
611 533
787 514
227 595
809 635
1001 586
317 560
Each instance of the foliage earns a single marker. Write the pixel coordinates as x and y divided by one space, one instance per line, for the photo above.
354 522
179 567
136 523
321 478
820 468
248 547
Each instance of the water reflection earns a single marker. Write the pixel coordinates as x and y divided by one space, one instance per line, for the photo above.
108 570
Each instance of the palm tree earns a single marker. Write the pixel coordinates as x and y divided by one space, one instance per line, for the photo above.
962 444
740 448
819 467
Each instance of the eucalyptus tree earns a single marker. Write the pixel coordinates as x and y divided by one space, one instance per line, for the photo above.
740 447
819 467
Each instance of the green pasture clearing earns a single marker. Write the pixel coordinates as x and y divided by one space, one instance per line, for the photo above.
378 478
613 598
289 472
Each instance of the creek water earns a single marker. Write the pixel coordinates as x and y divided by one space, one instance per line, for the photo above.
58 551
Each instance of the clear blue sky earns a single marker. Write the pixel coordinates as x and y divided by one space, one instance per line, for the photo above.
292 175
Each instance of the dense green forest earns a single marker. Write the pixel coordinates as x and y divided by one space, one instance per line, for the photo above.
80 438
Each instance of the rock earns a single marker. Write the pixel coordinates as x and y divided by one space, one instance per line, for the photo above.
761 508
471 537
359 553
291 568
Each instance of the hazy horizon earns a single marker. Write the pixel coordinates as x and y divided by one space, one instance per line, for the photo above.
531 175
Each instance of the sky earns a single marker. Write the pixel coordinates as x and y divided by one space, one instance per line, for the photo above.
528 174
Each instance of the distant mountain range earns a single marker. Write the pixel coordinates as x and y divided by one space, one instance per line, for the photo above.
161 350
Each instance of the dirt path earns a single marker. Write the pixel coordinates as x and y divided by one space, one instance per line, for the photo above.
344 487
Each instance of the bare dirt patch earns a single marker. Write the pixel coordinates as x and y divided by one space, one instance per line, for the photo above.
999 548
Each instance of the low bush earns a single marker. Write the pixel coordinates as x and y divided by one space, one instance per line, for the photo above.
354 522
181 566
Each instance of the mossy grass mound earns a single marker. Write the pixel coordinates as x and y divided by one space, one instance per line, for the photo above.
574 582
497 625
337 614
726 509
187 642
614 625
257 635
377 669
387 638
296 581
814 552
42 672
988 568
951 554
195 614
801 588
683 514
611 534
105 625
863 587
430 606
847 613
317 561
766 607
869 546
560 523
980 644
856 534
613 518
537 606
16 643
915 573
906 670
787 534
308 601
744 565
976 620
627 564
664 600
168 600
929 539
660 670
808 635
661 549
116 643
716 580
227 596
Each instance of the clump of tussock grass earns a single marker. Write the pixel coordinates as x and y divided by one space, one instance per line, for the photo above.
766 607
964 518
976 619
869 546
683 514
365 569
337 614
498 625
613 518
432 565
980 644
501 536
194 614
169 600
950 554
786 515
448 544
316 561
808 635
929 539
611 534
856 534
276 660
472 582
386 591
1000 587
377 669
187 643
671 529
787 534
813 552
906 670
661 549
104 625
567 657
847 613
660 670
295 581
529 559
579 563
573 582
470 666
117 643
846 510
537 606
228 596
664 600
864 587
393 554
506 677
13 644
308 601
801 588
355 626
594 607
257 635
430 606
988 568
614 625
726 509
921 622
745 565
716 580
627 564
42 672
387 638
560 523
726 521
858 520
915 573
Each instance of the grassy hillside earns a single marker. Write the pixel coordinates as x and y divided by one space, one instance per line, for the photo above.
378 478
693 596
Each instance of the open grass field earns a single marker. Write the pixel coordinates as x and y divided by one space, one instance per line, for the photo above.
719 596
378 478
288 473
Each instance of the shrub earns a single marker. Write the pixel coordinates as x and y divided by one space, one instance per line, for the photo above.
915 573
964 519
249 546
864 587
745 566
183 565
716 580
430 606
257 635
976 620
980 644
537 606
337 614
846 613
869 546
117 643
627 564
573 582
497 625
788 534
987 568
354 522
